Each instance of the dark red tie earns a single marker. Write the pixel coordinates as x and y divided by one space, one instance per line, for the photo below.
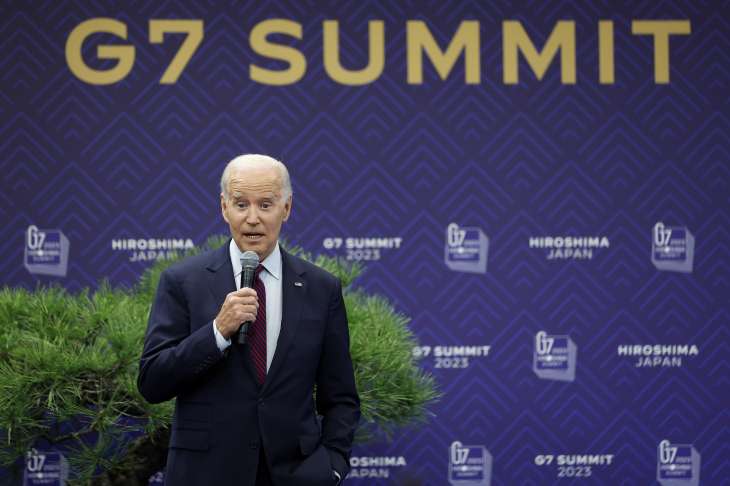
257 333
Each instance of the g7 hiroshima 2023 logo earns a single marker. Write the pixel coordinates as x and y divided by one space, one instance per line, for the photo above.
672 248
45 467
466 249
469 465
554 357
677 465
46 251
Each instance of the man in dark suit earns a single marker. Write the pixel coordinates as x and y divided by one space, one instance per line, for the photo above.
249 414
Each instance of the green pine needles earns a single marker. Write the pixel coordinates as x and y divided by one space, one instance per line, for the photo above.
68 370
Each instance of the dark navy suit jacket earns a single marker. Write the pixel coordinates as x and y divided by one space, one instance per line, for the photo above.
222 416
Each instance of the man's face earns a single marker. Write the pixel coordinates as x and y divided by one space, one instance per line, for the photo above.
255 208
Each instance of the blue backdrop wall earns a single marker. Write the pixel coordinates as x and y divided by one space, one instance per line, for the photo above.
561 247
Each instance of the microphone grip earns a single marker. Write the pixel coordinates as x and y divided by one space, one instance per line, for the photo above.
242 333
248 272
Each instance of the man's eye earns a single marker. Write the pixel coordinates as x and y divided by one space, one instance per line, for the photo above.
242 205
265 205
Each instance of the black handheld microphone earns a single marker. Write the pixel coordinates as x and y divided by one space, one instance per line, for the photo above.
249 262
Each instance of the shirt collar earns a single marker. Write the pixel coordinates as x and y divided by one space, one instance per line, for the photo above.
271 263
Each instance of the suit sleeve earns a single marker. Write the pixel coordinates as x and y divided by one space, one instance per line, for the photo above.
337 398
174 357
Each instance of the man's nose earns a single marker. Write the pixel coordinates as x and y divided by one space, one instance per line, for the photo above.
252 216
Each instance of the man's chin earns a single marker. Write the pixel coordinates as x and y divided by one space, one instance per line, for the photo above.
258 246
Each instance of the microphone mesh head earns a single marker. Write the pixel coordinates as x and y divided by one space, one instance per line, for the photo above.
250 260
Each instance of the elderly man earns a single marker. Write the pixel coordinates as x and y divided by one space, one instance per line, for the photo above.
246 413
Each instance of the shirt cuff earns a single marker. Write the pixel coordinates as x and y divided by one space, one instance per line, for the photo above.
220 341
337 475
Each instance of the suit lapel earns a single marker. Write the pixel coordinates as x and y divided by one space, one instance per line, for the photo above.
293 293
220 276
221 282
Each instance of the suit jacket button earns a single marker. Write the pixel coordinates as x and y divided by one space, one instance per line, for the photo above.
253 445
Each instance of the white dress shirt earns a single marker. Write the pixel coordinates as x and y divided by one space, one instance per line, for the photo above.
271 277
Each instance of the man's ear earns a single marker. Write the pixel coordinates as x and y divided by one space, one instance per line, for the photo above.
224 206
287 208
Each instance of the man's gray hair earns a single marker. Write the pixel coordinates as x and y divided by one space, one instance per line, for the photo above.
261 161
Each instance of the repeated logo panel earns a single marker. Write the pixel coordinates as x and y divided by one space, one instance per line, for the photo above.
561 249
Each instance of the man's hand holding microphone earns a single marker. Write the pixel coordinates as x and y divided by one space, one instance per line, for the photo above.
240 307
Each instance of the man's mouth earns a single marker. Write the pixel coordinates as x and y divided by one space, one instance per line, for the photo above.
253 236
